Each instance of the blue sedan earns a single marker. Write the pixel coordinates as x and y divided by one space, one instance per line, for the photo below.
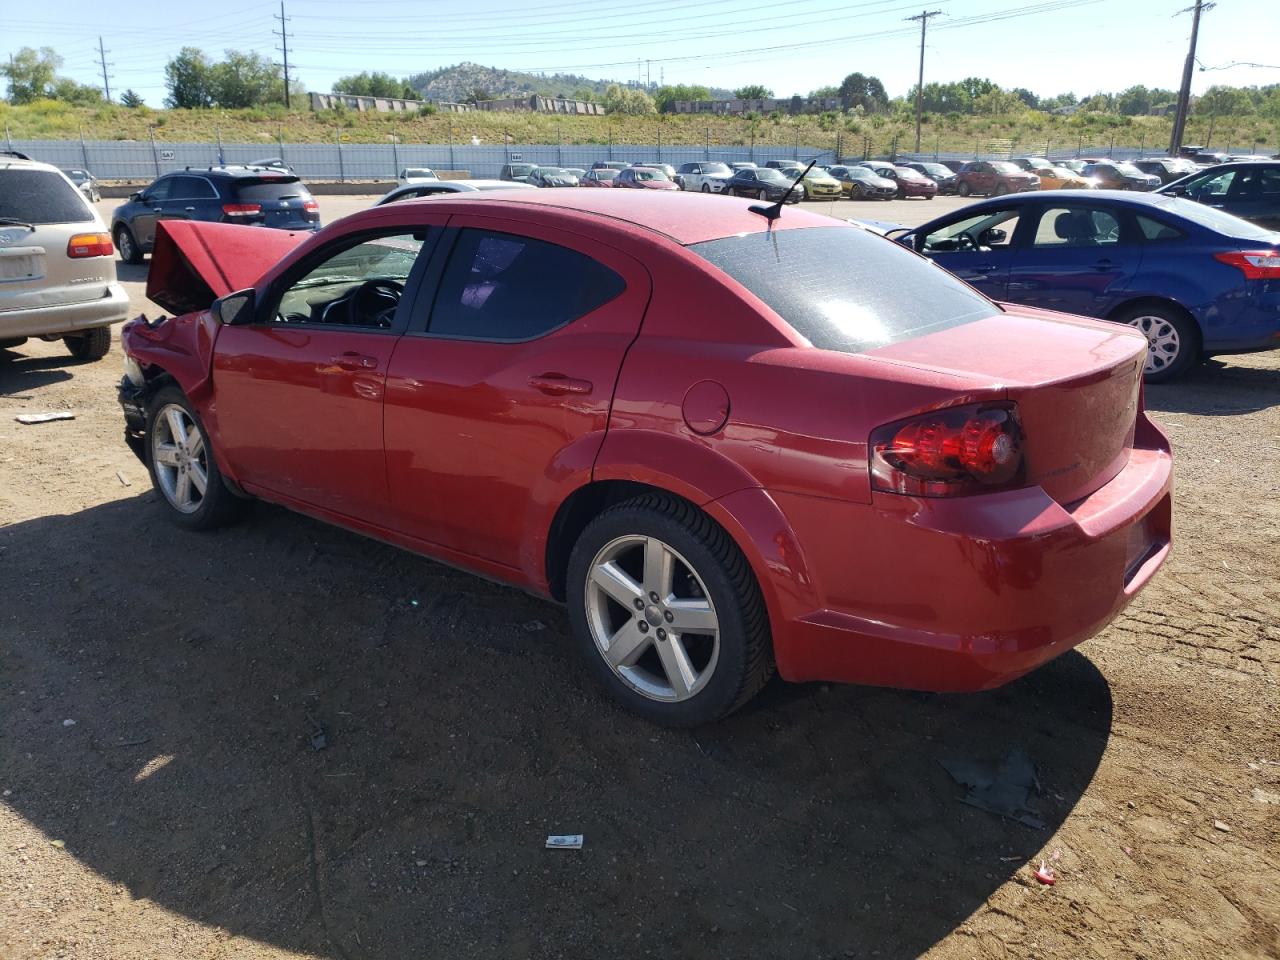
1195 280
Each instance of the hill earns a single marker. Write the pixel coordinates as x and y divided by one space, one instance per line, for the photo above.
459 81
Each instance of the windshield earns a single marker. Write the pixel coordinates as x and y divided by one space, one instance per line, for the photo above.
768 173
1062 173
846 289
603 174
1129 169
1004 166
421 173
644 173
906 173
40 196
77 175
522 169
937 170
715 169
552 172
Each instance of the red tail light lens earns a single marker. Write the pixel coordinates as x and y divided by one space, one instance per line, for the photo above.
951 452
89 245
1255 264
310 206
242 209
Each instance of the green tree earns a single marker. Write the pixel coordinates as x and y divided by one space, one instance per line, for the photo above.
81 94
189 79
976 86
375 84
864 91
131 100
1223 102
476 94
665 97
824 92
618 99
1134 102
753 91
30 73
1028 98
997 103
245 80
1099 103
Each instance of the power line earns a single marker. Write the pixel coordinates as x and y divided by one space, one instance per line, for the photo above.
102 59
283 34
923 16
1184 92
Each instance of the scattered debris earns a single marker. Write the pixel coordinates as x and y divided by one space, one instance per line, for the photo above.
1011 859
1046 875
29 418
7 793
60 844
1128 852
1219 825
533 626
566 841
68 723
122 478
420 863
1004 791
414 603
319 739
1259 796
137 741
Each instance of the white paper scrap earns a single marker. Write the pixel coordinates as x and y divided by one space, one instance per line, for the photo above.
568 841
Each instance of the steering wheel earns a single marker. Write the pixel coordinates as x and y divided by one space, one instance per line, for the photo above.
965 241
373 303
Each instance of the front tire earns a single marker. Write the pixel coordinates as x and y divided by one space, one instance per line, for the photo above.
667 612
1173 340
1000 190
963 190
127 244
762 195
183 467
90 345
857 192
706 188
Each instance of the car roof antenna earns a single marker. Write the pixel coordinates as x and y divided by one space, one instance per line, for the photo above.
773 211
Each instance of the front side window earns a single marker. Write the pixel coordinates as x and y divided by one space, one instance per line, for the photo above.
504 287
160 190
358 286
990 230
1076 227
1214 185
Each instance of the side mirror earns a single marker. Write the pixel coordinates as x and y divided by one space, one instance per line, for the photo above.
235 308
993 236
1178 191
135 196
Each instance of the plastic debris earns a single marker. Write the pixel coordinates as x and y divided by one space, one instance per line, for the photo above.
567 841
60 844
30 418
1046 875
1219 825
533 626
68 723
123 479
319 739
1004 791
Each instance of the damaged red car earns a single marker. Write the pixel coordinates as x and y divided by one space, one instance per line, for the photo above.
649 407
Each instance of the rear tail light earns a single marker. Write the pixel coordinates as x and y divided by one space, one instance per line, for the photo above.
1254 264
951 452
242 209
310 206
89 245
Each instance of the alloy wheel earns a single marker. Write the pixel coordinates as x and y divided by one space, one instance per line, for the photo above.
652 618
1163 342
181 458
125 244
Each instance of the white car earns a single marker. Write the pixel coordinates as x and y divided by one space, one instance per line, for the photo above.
57 263
708 176
415 175
434 188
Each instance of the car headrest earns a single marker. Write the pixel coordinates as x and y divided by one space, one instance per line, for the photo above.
1074 225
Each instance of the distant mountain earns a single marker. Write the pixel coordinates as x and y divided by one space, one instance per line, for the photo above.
458 82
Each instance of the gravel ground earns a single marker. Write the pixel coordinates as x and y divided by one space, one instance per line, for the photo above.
185 813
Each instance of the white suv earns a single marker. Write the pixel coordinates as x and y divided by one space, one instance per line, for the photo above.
707 176
57 264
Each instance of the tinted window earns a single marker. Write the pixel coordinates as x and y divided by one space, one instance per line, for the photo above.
499 286
270 188
1076 227
159 190
40 196
846 289
1155 230
1218 220
191 188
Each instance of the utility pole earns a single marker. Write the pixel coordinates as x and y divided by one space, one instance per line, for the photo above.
102 59
1184 92
923 16
648 75
283 34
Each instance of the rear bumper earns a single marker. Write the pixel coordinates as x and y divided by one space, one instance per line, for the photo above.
58 319
949 595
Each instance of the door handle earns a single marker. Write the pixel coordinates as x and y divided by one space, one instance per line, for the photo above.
1103 264
557 384
986 268
189 209
353 361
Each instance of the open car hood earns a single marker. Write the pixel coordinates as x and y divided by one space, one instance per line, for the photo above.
193 264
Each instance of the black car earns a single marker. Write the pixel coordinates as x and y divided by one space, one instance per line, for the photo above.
1168 169
253 196
765 184
1250 190
939 173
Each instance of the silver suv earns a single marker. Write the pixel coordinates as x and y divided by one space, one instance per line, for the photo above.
57 264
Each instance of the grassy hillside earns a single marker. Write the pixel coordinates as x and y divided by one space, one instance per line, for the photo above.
458 81
1029 132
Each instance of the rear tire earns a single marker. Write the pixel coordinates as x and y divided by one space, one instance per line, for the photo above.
720 665
706 188
963 190
1173 339
91 345
762 195
178 453
1000 190
127 244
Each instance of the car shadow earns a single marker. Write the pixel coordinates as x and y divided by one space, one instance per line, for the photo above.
20 373
1217 388
324 743
132 272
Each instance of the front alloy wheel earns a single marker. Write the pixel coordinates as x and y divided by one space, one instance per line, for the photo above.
180 457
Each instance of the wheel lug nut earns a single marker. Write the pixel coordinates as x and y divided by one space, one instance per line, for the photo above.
668 616
644 626
662 634
653 597
639 604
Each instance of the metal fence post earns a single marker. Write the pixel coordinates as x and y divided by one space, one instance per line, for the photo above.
84 149
506 144
708 154
452 165
659 138
280 143
395 156
1111 151
155 154
342 173
752 155
839 141
795 147
8 139
610 141
559 146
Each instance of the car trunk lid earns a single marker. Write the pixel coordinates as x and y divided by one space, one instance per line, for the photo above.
1076 384
194 263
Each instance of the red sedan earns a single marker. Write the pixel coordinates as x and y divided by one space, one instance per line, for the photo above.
645 178
646 406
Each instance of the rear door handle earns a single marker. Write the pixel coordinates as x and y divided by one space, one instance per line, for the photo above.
189 209
354 361
1103 264
557 384
986 268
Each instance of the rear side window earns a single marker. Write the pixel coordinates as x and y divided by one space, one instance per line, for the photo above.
191 188
40 196
272 188
1155 230
499 286
846 289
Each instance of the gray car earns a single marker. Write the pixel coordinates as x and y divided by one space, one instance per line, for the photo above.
86 183
57 264
434 188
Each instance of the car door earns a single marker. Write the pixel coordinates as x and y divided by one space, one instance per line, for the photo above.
977 247
299 392
150 207
507 382
1080 257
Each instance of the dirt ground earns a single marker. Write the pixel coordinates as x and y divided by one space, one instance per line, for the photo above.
185 813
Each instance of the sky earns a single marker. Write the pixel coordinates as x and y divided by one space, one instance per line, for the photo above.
1048 46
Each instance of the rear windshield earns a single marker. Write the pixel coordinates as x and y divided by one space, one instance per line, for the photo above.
846 289
40 196
1219 220
272 188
